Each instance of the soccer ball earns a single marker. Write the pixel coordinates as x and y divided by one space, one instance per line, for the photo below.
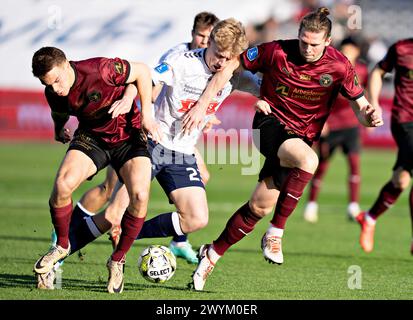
157 264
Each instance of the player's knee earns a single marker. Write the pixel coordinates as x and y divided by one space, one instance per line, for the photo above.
402 181
140 197
309 162
195 221
202 222
196 225
64 186
259 209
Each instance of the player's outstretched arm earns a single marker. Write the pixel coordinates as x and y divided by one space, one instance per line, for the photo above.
124 105
367 115
141 74
195 116
375 84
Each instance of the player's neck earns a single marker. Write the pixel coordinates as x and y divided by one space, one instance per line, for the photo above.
72 75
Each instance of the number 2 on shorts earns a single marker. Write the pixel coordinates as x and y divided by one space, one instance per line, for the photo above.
193 174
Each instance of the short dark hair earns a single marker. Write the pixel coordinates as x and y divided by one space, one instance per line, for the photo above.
351 41
204 19
45 59
317 21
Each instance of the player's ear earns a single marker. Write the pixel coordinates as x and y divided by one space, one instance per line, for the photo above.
328 40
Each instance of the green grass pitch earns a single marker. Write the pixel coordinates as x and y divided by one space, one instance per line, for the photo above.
317 257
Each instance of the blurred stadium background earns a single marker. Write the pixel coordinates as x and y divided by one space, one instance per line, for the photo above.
142 30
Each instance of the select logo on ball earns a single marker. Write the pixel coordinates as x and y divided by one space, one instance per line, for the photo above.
157 264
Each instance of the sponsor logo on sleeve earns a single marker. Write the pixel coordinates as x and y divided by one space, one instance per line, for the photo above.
118 67
252 53
356 80
162 68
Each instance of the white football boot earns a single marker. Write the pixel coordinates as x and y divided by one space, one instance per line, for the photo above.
46 262
115 280
271 249
203 270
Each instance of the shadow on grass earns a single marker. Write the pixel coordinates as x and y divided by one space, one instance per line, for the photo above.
17 281
24 281
29 282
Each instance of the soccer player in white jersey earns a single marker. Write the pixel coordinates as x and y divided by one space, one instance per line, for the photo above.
184 76
95 198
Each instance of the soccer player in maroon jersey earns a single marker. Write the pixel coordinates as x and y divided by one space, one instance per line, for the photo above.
340 131
87 89
398 57
95 198
301 79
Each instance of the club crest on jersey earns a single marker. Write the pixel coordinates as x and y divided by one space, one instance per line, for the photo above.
356 80
94 96
162 68
326 80
118 67
252 53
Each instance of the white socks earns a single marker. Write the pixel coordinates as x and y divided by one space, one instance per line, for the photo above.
273 231
212 254
370 220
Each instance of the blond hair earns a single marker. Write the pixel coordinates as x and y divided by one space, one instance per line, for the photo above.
229 35
317 21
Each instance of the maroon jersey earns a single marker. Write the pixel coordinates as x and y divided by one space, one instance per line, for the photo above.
301 94
99 82
400 57
342 115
